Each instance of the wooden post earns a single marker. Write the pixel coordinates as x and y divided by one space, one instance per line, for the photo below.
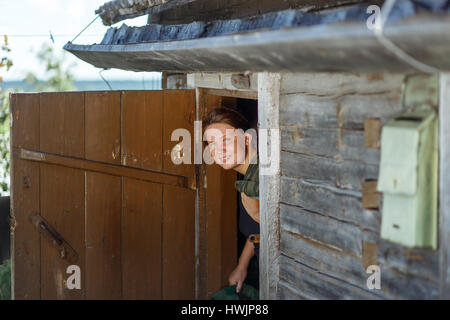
444 189
200 211
269 185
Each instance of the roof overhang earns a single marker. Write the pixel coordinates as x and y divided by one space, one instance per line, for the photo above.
341 47
185 11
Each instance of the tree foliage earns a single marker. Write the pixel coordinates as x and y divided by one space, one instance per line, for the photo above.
58 75
5 64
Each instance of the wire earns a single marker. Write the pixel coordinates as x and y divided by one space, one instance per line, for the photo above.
392 47
106 81
85 28
45 35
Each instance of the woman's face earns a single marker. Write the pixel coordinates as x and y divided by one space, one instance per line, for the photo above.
226 145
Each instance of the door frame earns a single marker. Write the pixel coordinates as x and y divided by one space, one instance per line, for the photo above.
201 209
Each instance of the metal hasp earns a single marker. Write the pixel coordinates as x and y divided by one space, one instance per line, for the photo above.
408 178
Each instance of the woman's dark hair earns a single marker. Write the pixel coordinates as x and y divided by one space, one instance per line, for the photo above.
231 117
228 116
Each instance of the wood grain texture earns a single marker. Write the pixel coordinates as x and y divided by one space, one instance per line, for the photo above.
370 195
399 268
221 230
330 201
26 240
222 81
25 120
103 236
344 111
229 229
329 178
330 232
444 211
319 285
269 184
62 123
62 206
372 133
332 262
339 83
341 174
96 166
179 113
142 116
287 292
141 240
338 144
178 243
102 129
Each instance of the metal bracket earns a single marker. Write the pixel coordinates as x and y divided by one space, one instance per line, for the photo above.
66 251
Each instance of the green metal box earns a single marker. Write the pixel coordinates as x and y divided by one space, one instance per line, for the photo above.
408 179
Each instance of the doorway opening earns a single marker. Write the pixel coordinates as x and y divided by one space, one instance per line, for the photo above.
223 241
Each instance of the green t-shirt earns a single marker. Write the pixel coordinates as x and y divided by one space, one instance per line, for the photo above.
250 184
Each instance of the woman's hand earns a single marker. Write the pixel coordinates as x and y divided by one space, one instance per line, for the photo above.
251 205
237 277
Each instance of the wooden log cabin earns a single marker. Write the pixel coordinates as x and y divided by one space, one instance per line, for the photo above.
329 82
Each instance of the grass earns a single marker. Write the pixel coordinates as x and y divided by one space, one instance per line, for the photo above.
5 280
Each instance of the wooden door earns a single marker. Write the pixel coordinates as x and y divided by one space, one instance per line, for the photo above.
94 167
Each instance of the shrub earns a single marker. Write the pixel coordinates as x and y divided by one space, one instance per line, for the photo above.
5 280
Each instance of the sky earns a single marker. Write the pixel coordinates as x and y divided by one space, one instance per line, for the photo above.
28 24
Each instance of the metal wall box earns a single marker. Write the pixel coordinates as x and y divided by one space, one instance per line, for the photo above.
408 179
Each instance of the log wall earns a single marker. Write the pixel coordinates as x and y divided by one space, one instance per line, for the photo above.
327 238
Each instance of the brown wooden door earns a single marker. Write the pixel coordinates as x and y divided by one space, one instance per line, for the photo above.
95 167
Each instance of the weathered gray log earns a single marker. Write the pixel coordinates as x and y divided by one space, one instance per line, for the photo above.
319 285
414 262
347 111
327 260
339 144
329 201
287 292
185 11
341 174
404 273
341 83
336 234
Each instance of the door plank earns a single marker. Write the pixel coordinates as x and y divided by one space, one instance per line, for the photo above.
142 113
141 239
179 113
103 126
62 206
103 252
178 243
26 259
25 120
62 123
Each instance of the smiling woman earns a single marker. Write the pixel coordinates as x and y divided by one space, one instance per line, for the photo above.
232 143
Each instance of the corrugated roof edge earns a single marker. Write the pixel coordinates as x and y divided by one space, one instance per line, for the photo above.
339 47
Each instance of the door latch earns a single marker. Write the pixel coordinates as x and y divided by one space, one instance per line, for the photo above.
65 250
